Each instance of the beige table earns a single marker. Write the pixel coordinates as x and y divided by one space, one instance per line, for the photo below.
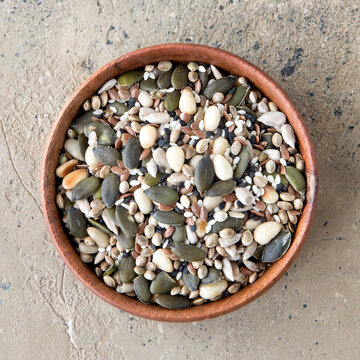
48 49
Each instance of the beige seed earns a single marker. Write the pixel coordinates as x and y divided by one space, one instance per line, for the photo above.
147 136
287 196
247 238
95 102
223 169
234 288
60 202
276 139
109 281
270 196
165 65
87 105
266 232
149 231
193 76
227 233
145 99
162 261
202 272
174 136
66 168
272 106
187 103
149 275
235 148
175 290
101 239
220 146
156 239
185 201
218 264
260 181
298 204
212 240
212 118
73 178
175 157
202 146
218 98
270 166
187 170
143 202
194 294
124 187
283 216
199 301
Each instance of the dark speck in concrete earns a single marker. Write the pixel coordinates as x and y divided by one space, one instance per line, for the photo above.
126 36
291 64
5 286
256 46
338 112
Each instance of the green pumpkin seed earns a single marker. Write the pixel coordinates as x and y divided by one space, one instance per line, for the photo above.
120 108
97 195
83 144
243 163
169 217
268 138
230 222
82 121
162 194
258 253
85 188
131 153
204 174
239 95
277 247
179 234
110 190
162 284
130 77
221 188
191 281
110 270
176 302
125 241
222 85
164 80
77 223
148 85
126 269
204 78
296 179
107 155
125 221
188 252
153 181
100 226
110 212
212 277
245 108
104 133
172 100
179 77
68 203
142 289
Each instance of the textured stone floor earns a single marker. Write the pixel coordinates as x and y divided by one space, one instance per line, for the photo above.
49 47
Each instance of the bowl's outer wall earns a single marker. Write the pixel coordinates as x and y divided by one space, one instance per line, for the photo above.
181 53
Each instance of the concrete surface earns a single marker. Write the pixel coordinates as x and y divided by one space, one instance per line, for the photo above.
49 47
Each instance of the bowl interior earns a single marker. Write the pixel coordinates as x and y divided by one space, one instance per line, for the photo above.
180 53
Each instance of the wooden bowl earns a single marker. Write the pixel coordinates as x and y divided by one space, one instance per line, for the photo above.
182 53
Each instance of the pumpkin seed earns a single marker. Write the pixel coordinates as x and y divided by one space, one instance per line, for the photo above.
222 85
131 153
110 190
97 194
100 226
83 144
148 85
110 270
239 95
268 138
162 284
172 100
162 194
179 77
204 174
296 179
82 121
191 281
120 108
125 241
179 234
242 165
126 269
107 155
277 247
175 302
188 252
125 221
77 222
104 133
85 188
164 80
130 77
221 188
230 222
169 217
258 253
152 181
142 289
204 78
212 277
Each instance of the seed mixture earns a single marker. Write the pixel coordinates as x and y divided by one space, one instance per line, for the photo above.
180 184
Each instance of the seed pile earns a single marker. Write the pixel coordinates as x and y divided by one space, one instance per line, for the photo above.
180 183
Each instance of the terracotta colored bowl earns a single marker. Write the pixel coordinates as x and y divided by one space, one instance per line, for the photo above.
181 53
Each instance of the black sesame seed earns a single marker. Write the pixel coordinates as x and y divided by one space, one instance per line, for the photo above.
183 123
193 227
125 255
211 214
172 114
143 169
231 136
232 91
127 200
186 270
131 103
222 205
252 139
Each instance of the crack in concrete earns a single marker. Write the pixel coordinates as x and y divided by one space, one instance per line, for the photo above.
16 171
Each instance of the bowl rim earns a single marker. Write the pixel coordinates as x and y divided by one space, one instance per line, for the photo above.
181 52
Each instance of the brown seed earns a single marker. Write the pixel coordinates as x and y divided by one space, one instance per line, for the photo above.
231 128
187 131
197 86
164 207
284 152
203 213
118 143
200 134
113 95
195 125
260 205
185 191
144 154
230 198
125 137
116 170
168 232
244 270
195 208
227 98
